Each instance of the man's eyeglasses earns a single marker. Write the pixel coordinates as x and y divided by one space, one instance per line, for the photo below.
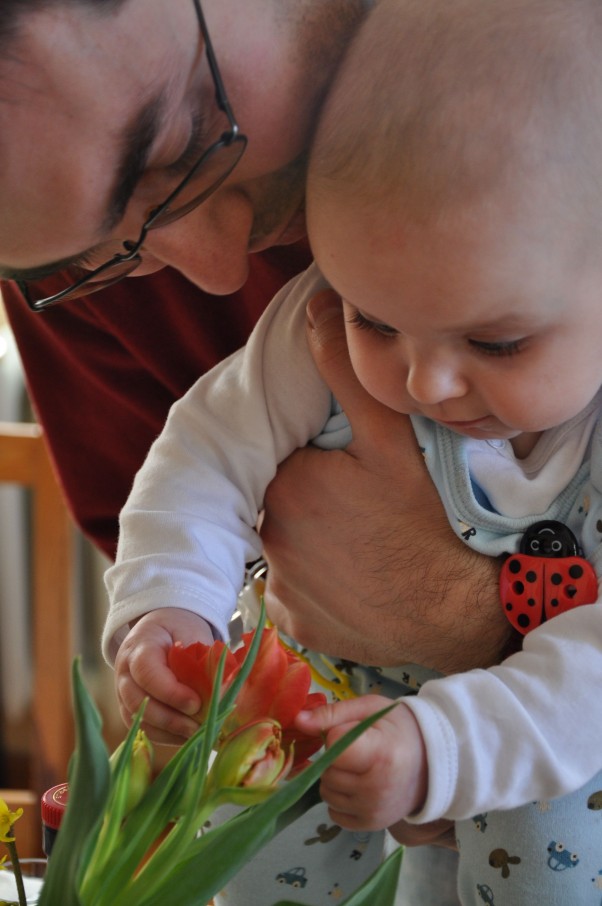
205 177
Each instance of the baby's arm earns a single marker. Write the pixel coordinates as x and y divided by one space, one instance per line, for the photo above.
476 731
141 671
188 527
379 779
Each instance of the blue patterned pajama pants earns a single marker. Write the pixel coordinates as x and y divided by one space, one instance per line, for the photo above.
547 853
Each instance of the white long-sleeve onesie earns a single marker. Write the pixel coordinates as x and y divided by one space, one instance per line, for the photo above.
526 729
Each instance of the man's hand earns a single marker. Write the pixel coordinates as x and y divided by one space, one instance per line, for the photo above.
141 672
363 562
435 833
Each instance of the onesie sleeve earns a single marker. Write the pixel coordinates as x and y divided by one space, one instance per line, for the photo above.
506 736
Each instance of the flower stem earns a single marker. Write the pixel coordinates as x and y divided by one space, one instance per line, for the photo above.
16 866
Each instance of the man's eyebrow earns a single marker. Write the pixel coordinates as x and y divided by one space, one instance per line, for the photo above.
136 143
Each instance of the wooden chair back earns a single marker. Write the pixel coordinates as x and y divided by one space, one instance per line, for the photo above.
24 460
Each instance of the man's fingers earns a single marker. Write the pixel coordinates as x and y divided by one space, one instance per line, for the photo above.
326 336
437 833
328 345
370 420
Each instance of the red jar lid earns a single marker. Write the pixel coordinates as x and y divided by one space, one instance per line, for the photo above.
54 803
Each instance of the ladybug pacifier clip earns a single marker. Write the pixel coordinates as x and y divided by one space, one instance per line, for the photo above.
547 577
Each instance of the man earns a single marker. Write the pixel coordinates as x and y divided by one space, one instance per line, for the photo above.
106 107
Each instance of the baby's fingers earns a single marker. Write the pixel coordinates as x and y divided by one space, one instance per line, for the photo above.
149 672
334 720
163 723
325 718
350 800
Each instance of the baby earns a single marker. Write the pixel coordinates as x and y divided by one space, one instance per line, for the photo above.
454 203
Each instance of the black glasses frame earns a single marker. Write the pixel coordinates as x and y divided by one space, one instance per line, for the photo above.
124 264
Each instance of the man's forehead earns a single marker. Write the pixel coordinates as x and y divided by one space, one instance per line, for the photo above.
76 38
71 149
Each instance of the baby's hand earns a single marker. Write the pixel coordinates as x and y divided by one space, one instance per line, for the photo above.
141 672
380 778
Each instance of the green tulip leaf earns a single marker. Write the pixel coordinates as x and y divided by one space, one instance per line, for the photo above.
89 782
212 859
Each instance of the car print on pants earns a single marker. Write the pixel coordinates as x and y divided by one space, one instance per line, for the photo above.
294 876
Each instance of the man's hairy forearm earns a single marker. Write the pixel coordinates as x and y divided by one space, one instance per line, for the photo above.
369 584
467 628
440 592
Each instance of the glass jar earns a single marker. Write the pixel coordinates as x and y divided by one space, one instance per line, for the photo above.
33 871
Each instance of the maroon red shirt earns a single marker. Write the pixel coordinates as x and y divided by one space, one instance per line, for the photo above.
103 371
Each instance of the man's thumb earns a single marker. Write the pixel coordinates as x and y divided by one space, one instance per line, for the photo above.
328 346
326 328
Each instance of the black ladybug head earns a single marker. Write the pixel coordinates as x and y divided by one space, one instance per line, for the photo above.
549 539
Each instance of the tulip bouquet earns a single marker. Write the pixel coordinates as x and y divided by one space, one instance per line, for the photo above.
130 840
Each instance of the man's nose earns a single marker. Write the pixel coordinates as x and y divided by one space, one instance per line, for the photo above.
209 245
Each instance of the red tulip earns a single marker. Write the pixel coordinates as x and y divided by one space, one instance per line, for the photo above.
196 666
277 687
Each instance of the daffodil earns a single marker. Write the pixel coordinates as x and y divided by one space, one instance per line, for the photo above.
7 819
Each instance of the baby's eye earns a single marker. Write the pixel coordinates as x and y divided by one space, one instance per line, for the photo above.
363 323
509 347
